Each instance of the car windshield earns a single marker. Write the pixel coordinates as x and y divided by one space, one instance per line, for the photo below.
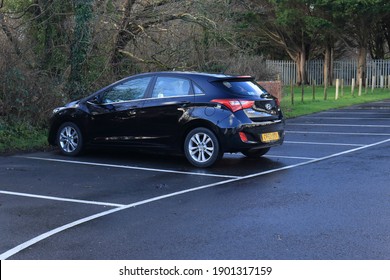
243 88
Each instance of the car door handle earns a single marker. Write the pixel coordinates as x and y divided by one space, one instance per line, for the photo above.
183 103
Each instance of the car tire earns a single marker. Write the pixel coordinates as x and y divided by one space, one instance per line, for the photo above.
70 139
201 147
256 153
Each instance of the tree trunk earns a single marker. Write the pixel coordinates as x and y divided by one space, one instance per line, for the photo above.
124 35
331 66
361 71
300 61
80 47
9 35
328 65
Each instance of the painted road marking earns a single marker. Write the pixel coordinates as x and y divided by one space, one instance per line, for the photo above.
130 167
359 112
45 235
341 125
338 118
337 133
323 143
62 199
289 157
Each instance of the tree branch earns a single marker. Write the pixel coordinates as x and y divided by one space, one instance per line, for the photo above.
154 61
202 21
9 35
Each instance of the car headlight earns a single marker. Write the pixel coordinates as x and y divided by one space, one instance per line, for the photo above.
56 110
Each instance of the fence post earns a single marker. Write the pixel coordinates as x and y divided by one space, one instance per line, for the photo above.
292 92
342 87
325 92
353 87
382 81
366 87
388 81
337 89
314 89
360 87
373 83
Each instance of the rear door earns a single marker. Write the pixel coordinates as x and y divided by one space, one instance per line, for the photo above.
166 110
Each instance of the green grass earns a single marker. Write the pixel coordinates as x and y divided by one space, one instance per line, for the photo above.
19 136
309 106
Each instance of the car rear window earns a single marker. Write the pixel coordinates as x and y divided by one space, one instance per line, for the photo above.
243 88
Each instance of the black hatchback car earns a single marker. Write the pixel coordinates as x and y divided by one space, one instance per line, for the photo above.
196 114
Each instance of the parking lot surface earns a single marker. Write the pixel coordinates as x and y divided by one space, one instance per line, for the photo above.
323 194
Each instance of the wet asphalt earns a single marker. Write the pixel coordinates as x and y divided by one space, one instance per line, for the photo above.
323 194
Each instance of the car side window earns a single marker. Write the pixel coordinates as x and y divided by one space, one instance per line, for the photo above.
127 91
198 90
170 87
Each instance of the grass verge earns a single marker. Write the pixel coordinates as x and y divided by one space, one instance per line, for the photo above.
16 137
311 105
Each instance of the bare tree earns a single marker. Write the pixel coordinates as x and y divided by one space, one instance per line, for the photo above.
139 16
7 30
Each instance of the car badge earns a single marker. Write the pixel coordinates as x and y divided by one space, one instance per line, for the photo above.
268 106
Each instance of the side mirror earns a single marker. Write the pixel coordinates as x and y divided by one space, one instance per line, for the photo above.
96 100
109 107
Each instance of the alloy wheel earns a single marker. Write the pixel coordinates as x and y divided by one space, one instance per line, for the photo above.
201 147
69 139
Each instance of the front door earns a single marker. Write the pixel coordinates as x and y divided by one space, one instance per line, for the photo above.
114 114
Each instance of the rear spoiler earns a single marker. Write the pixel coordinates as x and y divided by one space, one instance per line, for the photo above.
232 78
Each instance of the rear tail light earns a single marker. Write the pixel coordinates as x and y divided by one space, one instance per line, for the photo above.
243 137
234 104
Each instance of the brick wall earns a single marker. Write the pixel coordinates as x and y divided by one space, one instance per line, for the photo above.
273 87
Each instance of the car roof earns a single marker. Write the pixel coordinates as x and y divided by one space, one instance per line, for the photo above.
190 74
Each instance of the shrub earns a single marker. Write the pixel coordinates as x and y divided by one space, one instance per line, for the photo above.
21 136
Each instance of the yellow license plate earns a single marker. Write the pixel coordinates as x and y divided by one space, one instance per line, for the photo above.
270 137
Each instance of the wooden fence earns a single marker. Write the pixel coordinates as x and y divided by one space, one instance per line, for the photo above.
377 71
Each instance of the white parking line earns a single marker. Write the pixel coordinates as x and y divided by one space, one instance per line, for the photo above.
130 167
289 157
339 118
341 125
323 143
62 199
368 112
337 133
46 235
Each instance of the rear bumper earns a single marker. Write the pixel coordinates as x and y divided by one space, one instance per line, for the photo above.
234 143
